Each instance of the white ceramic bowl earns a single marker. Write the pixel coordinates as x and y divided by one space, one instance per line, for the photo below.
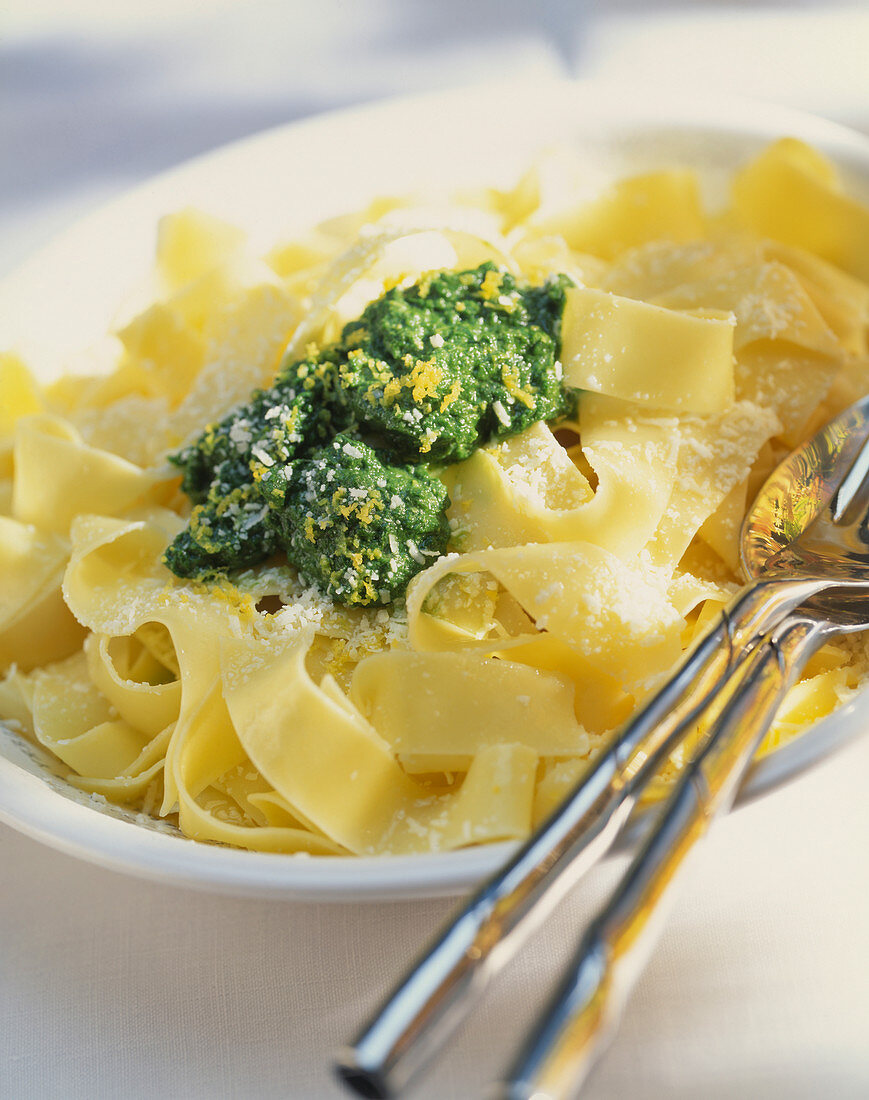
284 181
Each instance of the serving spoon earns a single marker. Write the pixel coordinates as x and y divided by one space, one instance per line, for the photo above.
805 544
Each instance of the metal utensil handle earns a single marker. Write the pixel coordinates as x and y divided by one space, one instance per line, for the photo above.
441 987
582 1016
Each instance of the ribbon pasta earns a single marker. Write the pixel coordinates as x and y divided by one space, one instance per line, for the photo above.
584 557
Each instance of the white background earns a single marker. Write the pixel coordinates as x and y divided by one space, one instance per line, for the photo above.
111 987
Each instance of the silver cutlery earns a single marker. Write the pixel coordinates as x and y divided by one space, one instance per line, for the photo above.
581 1018
806 546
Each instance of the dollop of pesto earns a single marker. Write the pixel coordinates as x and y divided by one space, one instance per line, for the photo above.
304 406
356 525
230 529
333 463
457 359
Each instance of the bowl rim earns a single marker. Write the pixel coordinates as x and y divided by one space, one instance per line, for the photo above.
30 805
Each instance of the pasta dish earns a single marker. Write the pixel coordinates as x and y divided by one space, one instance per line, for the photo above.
364 546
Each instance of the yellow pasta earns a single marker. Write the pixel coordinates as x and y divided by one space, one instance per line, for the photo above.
584 553
664 358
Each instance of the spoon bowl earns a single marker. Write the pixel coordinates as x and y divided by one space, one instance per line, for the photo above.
809 517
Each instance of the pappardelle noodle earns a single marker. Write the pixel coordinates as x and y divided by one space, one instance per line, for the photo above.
365 545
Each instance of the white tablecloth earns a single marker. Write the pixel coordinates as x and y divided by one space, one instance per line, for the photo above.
111 987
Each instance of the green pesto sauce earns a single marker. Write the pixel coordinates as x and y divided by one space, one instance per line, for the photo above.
229 529
441 367
356 525
332 462
304 407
